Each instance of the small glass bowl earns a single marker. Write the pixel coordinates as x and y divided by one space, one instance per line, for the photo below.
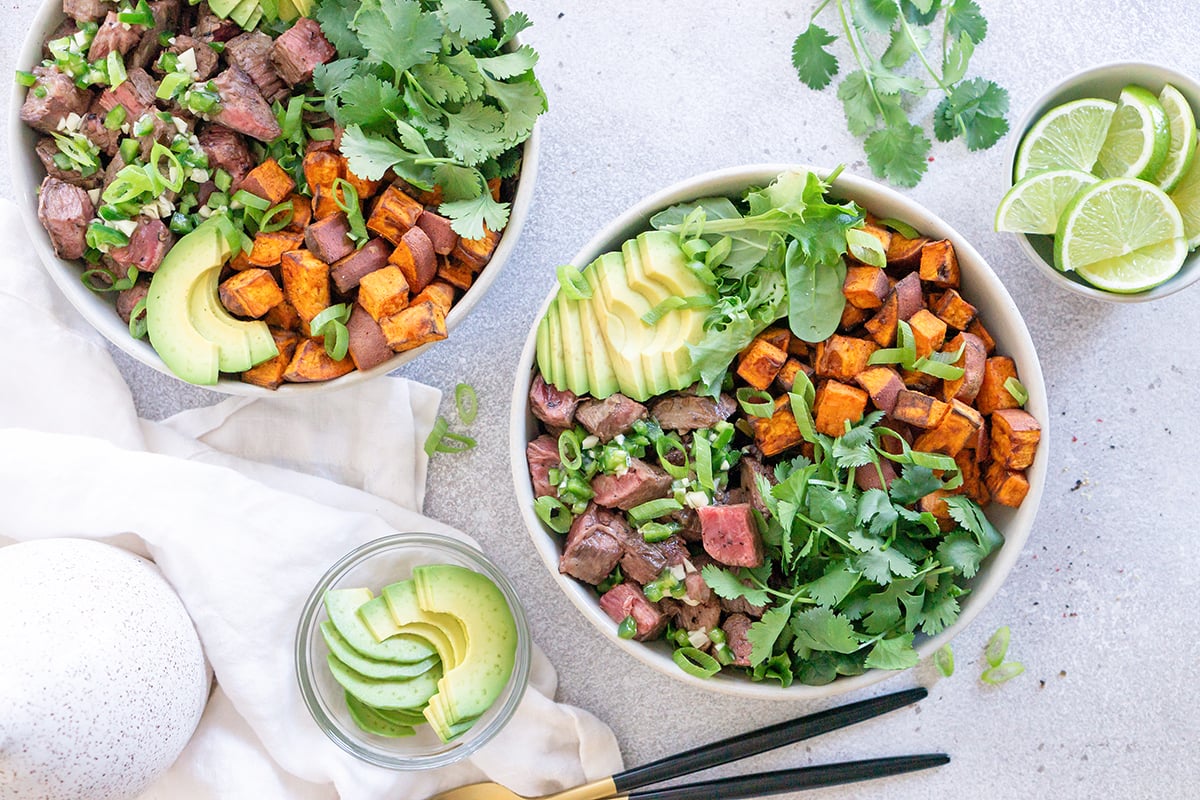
374 565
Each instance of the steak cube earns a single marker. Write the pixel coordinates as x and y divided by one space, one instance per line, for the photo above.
591 550
554 407
641 483
626 600
731 535
609 417
299 49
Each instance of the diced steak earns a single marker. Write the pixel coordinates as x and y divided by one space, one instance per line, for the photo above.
147 246
731 535
65 211
206 58
697 590
62 97
166 18
211 28
226 150
703 616
85 10
243 107
542 455
689 524
299 49
609 417
136 94
128 299
114 36
348 271
47 149
555 407
163 131
329 238
626 600
674 550
592 548
751 468
642 561
251 52
92 126
689 412
641 483
735 627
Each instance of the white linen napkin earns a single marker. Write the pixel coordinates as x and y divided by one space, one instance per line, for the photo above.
243 505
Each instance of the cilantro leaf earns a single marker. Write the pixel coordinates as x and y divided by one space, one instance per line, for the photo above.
329 78
815 65
883 610
898 153
463 65
522 101
913 484
470 19
365 100
474 134
875 508
336 18
895 653
763 634
978 107
877 16
728 586
514 23
920 12
967 513
965 17
900 48
821 629
509 65
941 607
858 103
370 157
442 84
468 217
457 182
832 587
880 565
962 553
398 33
958 57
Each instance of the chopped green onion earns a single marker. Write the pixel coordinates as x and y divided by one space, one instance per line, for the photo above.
216 200
39 91
654 509
137 320
717 636
164 38
202 101
702 455
573 284
330 324
670 304
102 237
660 587
159 153
696 663
114 119
26 78
128 149
756 402
139 16
997 646
1005 672
549 510
218 46
904 354
724 655
180 223
702 272
717 254
694 248
663 446
628 628
250 200
658 531
62 162
346 198
222 179
80 150
172 85
320 134
570 450
1017 390
900 227
276 218
111 213
339 312
577 490
943 659
116 69
467 402
938 369
614 459
932 460
455 443
109 282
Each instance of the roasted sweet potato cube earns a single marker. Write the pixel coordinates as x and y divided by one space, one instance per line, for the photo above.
269 374
883 384
1015 437
760 363
778 432
953 310
269 181
329 238
305 284
971 362
939 264
956 430
440 293
439 231
929 332
837 403
865 287
415 258
494 187
904 253
348 271
301 213
798 347
414 326
777 335
394 213
786 379
283 316
972 478
852 317
909 296
919 409
240 261
250 293
270 247
935 503
368 345
882 326
310 363
976 327
476 253
992 394
366 189
383 292
454 272
879 232
321 170
842 357
918 381
1008 487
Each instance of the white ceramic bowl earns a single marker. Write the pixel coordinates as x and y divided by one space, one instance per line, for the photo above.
980 286
100 310
1105 81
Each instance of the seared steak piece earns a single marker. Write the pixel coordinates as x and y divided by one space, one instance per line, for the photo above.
643 561
251 52
136 94
63 97
348 271
735 628
47 149
626 600
243 107
689 412
147 246
166 18
554 407
64 211
226 150
704 616
542 455
697 590
641 483
84 11
127 299
206 57
731 535
609 417
750 468
329 238
686 517
592 548
211 28
163 132
93 128
299 49
114 36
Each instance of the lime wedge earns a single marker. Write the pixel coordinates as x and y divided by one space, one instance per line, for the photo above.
1036 202
1182 124
1187 199
1121 235
1066 137
1138 138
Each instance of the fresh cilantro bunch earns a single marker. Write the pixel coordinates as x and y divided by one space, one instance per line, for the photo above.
875 94
425 88
851 576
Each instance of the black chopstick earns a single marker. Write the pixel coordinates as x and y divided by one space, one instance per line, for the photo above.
794 780
760 741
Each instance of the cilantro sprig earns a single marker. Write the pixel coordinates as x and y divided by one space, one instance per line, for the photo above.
431 90
876 95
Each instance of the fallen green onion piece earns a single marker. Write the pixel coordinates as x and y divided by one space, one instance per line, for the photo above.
549 510
1017 390
901 227
440 427
1005 672
26 78
665 445
455 443
654 509
756 402
572 283
997 646
943 659
137 320
570 450
628 628
467 402
696 663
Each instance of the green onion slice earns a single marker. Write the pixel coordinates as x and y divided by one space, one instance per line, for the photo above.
346 198
938 369
276 218
141 15
551 511
251 200
901 227
696 663
570 449
137 320
694 248
755 402
467 402
997 646
628 628
572 283
1005 672
222 179
670 304
455 443
25 78
943 659
114 119
702 455
665 445
654 509
116 69
658 531
1017 390
717 254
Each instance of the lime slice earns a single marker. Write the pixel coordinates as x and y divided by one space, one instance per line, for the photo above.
1121 235
1187 199
1138 138
1036 202
1066 137
1182 124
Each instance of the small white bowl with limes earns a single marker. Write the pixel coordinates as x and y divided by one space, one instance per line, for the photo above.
1106 194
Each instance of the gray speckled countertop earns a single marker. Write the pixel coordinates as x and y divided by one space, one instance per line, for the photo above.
1100 604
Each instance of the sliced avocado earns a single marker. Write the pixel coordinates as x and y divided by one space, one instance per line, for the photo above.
573 355
662 334
601 378
470 688
371 721
401 601
384 670
410 693
243 11
222 8
435 715
402 716
233 348
378 619
663 261
342 606
620 311
554 375
543 346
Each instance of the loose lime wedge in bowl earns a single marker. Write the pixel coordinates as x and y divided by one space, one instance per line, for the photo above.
1035 203
1182 124
1066 137
1138 138
1187 199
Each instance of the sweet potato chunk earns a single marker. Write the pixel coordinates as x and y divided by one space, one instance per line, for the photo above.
414 326
865 287
368 345
852 317
438 229
1015 437
305 284
976 327
270 181
1008 487
777 335
882 326
972 485
283 316
953 433
842 357
394 213
415 257
953 310
909 296
270 247
269 374
903 253
383 292
250 293
882 234
835 404
329 238
348 271
778 432
992 394
797 347
919 410
929 332
971 362
301 213
321 170
760 363
476 253
918 381
786 379
366 189
440 293
939 264
454 272
883 384
310 363
935 503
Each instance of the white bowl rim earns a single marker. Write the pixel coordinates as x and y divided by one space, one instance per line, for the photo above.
98 311
1021 350
1188 274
